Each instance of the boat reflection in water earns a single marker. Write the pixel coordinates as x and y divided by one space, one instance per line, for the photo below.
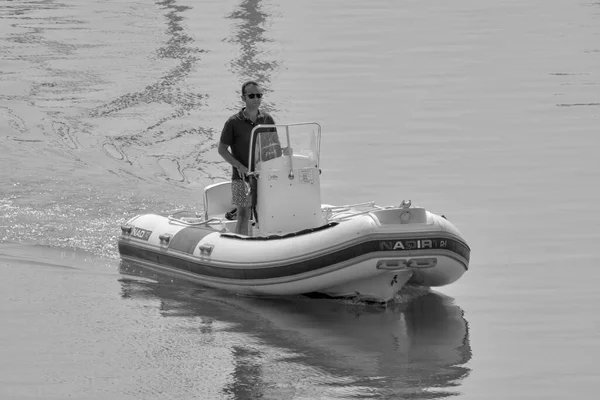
418 346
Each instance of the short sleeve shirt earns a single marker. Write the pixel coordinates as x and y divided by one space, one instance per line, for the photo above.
236 135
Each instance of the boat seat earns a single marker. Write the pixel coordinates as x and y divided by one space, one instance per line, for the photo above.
217 200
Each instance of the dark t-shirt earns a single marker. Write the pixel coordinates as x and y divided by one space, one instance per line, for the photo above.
236 135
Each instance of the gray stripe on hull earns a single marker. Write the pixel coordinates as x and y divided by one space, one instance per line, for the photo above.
291 267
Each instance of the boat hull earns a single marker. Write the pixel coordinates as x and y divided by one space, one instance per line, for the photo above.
359 257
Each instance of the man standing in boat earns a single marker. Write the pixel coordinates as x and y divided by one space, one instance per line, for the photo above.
234 147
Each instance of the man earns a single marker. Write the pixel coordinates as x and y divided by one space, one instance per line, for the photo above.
234 147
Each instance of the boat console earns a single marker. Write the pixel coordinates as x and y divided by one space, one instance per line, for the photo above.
284 160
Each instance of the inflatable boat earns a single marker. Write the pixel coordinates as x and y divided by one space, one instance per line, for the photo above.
297 245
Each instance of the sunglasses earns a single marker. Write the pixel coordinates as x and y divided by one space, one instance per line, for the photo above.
251 95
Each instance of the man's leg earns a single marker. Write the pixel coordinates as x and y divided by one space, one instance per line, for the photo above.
243 221
241 199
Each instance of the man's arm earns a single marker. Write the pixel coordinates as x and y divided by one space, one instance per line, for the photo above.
223 150
224 146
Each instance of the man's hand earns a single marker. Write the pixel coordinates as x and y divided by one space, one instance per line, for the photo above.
242 170
288 151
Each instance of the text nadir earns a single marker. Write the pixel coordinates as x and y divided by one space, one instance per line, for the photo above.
140 233
411 244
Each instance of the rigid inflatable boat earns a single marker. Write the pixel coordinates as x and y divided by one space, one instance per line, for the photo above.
298 245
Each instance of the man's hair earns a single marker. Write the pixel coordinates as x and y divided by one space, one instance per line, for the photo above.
248 84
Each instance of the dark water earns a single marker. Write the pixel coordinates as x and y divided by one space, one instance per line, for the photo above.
485 112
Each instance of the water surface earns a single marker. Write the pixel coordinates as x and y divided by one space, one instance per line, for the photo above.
485 112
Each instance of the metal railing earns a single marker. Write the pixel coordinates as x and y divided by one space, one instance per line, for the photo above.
340 213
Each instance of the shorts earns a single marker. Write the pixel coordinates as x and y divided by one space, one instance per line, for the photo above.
239 197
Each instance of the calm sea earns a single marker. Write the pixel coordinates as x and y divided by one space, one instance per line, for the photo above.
487 112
